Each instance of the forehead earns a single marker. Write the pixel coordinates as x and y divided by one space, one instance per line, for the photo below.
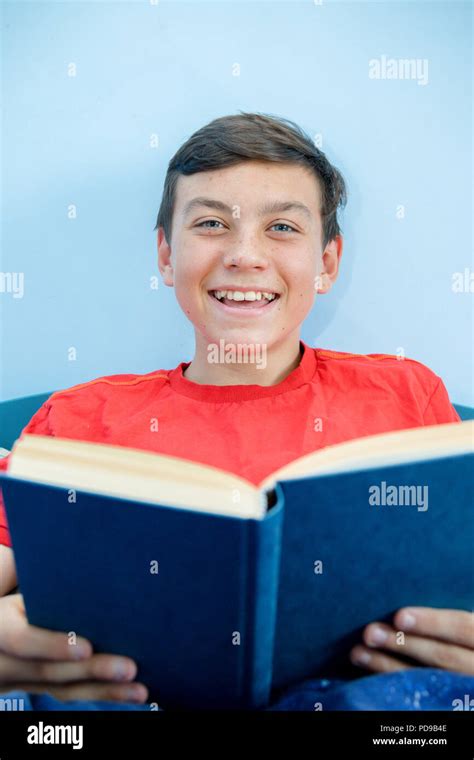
244 183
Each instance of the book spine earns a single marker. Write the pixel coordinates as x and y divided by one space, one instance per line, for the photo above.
262 564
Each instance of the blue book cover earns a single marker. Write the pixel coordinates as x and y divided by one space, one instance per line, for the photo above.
357 546
189 596
222 612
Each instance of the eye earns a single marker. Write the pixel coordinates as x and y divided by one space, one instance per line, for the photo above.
282 224
209 221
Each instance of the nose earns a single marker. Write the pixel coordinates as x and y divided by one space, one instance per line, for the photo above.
247 253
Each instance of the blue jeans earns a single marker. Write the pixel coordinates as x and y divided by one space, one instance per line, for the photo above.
415 689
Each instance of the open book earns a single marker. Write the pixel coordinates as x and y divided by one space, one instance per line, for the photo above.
221 590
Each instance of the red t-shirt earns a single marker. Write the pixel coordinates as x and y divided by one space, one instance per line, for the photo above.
250 430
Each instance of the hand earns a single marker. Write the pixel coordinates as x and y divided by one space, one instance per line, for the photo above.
38 660
8 579
437 638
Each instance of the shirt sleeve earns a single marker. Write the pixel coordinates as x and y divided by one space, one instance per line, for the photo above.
38 424
439 409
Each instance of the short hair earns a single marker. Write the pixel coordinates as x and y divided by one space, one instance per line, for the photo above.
230 140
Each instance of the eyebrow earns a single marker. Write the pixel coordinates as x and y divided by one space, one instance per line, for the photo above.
271 207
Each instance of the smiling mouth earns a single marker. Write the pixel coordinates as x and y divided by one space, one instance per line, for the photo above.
252 301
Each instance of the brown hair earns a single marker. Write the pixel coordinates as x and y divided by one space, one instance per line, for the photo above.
229 140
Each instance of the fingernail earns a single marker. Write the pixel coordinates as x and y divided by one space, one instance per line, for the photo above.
80 651
361 658
122 670
377 636
137 693
407 619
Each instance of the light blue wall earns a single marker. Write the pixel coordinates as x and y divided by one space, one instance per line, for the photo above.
166 69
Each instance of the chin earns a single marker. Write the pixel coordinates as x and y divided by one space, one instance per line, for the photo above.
243 335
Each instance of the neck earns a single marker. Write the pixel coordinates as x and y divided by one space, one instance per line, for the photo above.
225 364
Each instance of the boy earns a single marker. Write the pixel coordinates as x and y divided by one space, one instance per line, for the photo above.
248 236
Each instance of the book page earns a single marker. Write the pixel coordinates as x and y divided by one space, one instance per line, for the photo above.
134 474
430 442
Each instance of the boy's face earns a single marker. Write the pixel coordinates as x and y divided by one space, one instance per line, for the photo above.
250 247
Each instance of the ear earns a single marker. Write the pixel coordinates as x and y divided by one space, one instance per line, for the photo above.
330 264
164 258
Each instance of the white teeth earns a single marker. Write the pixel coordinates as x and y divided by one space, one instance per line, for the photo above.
239 295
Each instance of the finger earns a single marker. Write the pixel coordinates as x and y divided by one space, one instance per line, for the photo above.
376 662
455 626
8 579
100 667
432 652
20 639
108 692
